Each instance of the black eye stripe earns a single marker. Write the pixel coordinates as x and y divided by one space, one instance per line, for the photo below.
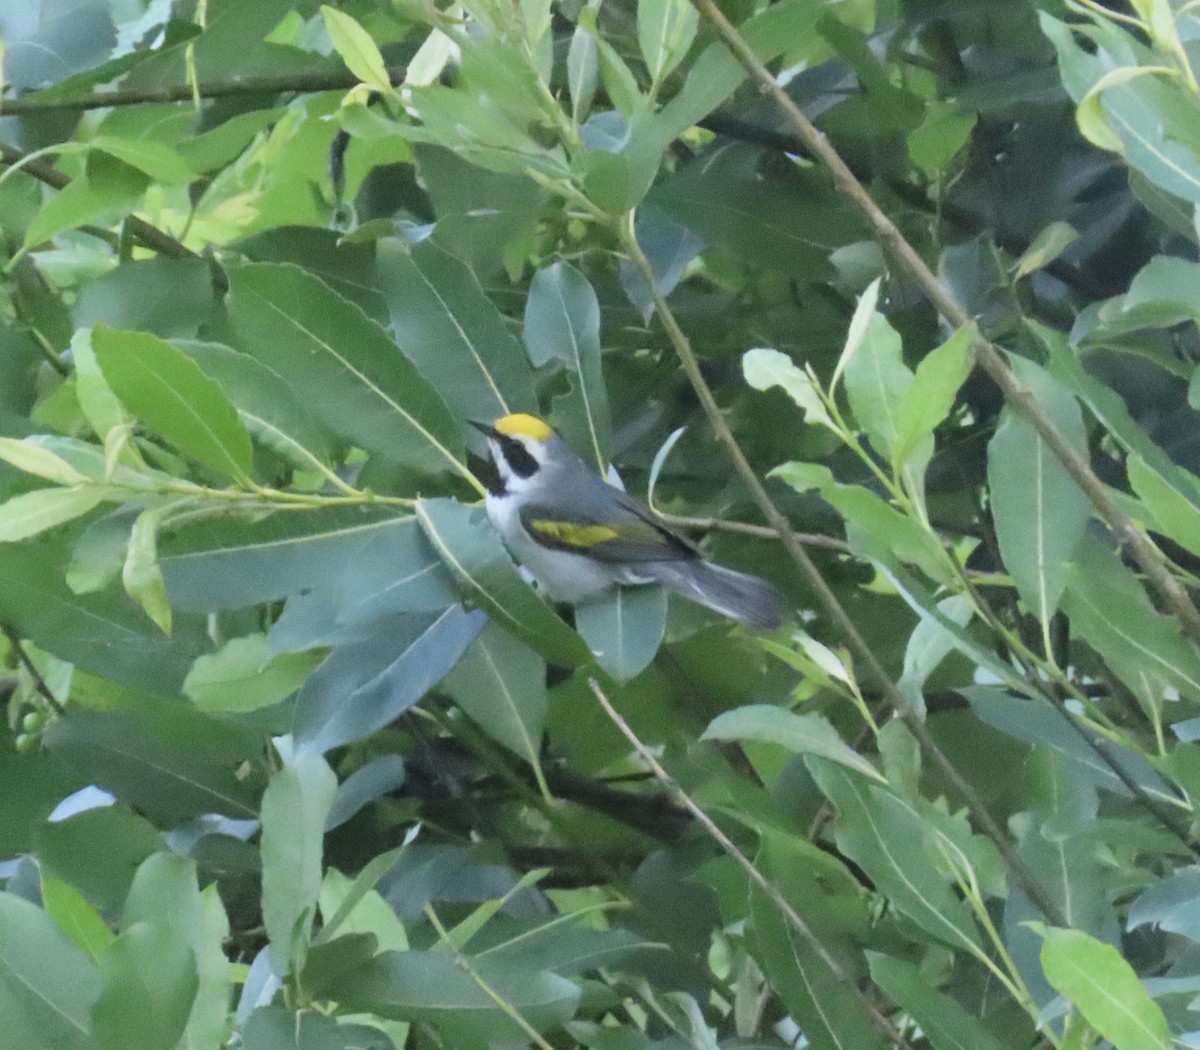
519 458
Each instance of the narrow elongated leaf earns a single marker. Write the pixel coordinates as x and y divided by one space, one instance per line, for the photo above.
168 392
265 403
305 332
501 683
141 574
820 1001
624 628
33 512
229 564
165 892
666 29
765 368
927 401
487 575
944 1022
294 808
116 752
894 846
47 983
72 913
367 783
1175 516
357 48
1110 608
244 676
1040 513
150 982
38 460
430 986
452 332
1104 988
363 686
800 734
562 322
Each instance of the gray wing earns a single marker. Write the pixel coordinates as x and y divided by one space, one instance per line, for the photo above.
608 525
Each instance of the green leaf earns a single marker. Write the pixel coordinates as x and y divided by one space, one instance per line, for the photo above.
357 49
1046 247
316 340
864 312
1110 609
166 893
276 1027
74 915
800 734
243 676
1175 516
430 986
149 985
943 1021
47 984
1041 515
101 407
624 628
501 683
367 683
1104 988
831 1016
269 409
766 368
167 391
79 203
294 808
452 332
562 322
898 850
367 912
927 401
583 69
666 29
34 459
118 753
33 512
141 575
875 529
156 159
472 551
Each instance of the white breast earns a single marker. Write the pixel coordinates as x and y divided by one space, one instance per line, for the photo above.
561 575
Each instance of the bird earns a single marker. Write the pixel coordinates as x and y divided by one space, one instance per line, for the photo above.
579 536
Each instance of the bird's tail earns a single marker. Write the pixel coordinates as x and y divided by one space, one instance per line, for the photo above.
749 600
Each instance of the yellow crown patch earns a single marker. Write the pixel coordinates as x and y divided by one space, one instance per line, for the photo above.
524 425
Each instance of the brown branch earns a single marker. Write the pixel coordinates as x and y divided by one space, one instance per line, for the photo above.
987 355
297 80
878 1018
150 236
39 682
795 549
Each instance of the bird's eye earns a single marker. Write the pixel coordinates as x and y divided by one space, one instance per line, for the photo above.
518 457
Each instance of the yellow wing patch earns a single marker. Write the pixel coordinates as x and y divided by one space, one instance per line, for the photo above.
524 425
573 534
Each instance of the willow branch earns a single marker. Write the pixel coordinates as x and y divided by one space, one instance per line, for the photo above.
988 356
879 1019
296 81
837 612
150 236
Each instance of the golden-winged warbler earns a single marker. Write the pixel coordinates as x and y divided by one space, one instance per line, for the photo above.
579 536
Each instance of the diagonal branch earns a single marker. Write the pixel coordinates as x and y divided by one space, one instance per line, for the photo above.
988 356
795 549
150 236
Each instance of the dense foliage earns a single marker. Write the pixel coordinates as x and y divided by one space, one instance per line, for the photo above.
295 757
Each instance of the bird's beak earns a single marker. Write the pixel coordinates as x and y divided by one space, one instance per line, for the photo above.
484 429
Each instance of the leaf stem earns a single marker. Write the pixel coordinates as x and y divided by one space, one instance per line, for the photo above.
38 681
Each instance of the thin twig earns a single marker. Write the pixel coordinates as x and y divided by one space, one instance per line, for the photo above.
863 651
881 1021
987 355
759 532
296 80
38 681
464 964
